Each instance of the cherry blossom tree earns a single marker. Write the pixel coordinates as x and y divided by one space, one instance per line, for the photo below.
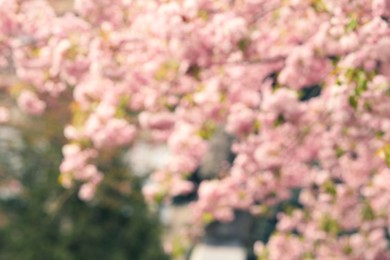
301 85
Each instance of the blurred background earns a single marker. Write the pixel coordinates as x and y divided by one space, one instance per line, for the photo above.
41 220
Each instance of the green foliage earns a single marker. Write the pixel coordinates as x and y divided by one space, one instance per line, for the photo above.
330 225
368 212
279 121
361 79
330 188
243 44
208 130
384 153
352 25
48 222
319 6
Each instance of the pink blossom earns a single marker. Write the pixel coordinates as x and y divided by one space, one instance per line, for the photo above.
301 86
180 187
381 7
87 191
4 115
160 121
30 103
241 120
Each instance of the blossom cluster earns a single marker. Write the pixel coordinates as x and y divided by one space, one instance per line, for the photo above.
301 85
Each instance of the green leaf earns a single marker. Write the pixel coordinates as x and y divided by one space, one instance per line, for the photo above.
203 14
330 188
387 155
207 218
166 69
330 225
243 44
194 70
207 131
353 101
361 82
352 25
347 250
279 121
367 212
339 152
257 126
319 6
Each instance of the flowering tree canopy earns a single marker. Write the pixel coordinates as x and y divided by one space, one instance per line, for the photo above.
301 85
